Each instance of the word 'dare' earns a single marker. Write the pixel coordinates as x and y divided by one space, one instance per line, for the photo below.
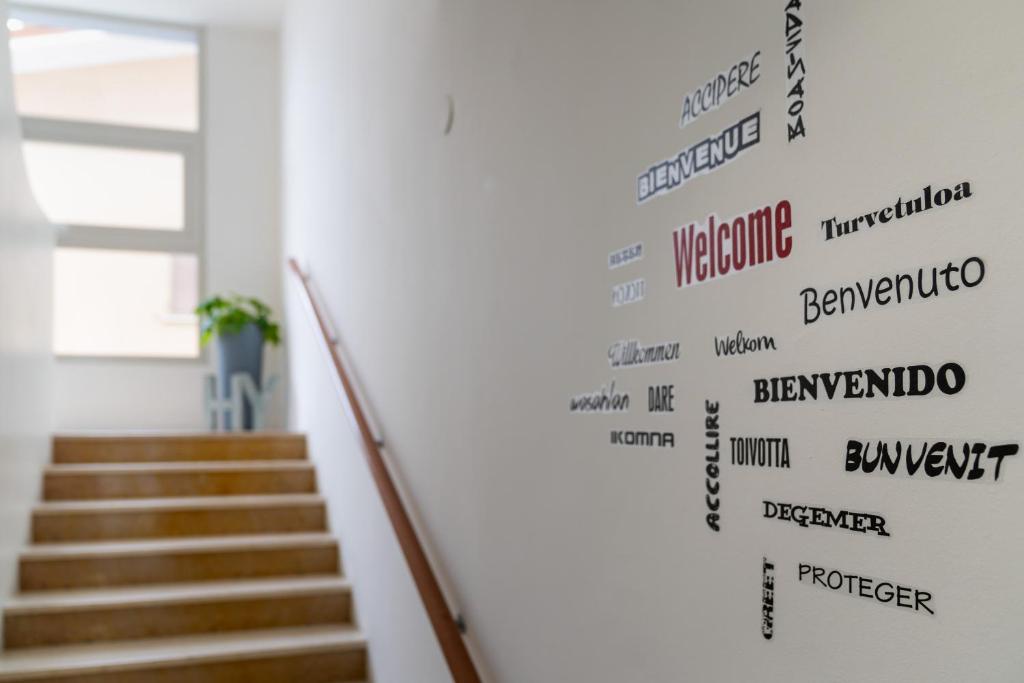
722 247
947 459
913 380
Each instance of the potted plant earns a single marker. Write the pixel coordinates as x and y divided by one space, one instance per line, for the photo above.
241 325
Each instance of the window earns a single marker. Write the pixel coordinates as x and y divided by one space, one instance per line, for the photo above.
113 149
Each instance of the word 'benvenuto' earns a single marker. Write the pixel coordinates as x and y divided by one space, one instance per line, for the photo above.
721 247
897 382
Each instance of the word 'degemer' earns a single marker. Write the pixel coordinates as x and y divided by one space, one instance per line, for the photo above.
704 253
913 380
947 459
806 515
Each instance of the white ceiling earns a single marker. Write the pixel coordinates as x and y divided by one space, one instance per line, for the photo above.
242 13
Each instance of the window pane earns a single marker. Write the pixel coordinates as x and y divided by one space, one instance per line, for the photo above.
125 303
107 186
65 68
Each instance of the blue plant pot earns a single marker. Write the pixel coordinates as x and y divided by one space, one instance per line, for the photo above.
241 352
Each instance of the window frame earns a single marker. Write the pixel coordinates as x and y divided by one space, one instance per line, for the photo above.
191 145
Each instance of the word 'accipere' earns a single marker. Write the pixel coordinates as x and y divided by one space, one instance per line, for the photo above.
913 380
721 88
946 459
748 240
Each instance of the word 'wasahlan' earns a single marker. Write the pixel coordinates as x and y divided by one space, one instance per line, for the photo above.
914 380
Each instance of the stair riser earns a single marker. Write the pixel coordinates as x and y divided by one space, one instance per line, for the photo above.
95 486
78 526
123 570
327 666
198 448
170 619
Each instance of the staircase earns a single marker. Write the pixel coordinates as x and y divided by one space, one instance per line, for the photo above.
196 559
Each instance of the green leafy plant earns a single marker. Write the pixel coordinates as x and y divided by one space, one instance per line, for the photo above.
221 315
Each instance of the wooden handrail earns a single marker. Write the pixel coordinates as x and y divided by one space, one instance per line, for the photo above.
446 628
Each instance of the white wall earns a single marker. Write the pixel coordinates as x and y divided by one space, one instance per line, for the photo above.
25 360
242 246
467 275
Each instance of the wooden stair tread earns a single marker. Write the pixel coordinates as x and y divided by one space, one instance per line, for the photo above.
46 551
176 466
157 446
39 663
92 506
35 602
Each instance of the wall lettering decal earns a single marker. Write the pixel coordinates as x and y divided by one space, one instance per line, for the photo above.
740 344
957 460
722 247
767 598
897 382
903 285
878 590
630 353
795 72
622 437
661 398
807 515
704 157
711 483
625 256
629 292
901 209
604 400
720 88
759 451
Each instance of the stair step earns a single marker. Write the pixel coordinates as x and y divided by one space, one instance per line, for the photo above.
178 447
68 617
320 654
91 565
95 520
166 479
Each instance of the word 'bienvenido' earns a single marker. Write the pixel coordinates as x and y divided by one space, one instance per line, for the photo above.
809 515
896 382
623 437
720 88
834 300
901 209
760 452
767 598
704 157
711 483
740 243
604 400
938 459
741 344
631 353
873 589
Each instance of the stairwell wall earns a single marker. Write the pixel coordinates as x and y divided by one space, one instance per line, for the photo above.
26 363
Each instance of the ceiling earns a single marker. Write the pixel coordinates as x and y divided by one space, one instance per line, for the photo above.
240 13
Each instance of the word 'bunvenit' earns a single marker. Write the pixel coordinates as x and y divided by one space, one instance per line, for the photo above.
873 589
938 459
741 344
722 247
913 380
901 209
720 88
631 353
767 598
604 400
622 437
809 515
759 451
882 292
711 483
704 157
